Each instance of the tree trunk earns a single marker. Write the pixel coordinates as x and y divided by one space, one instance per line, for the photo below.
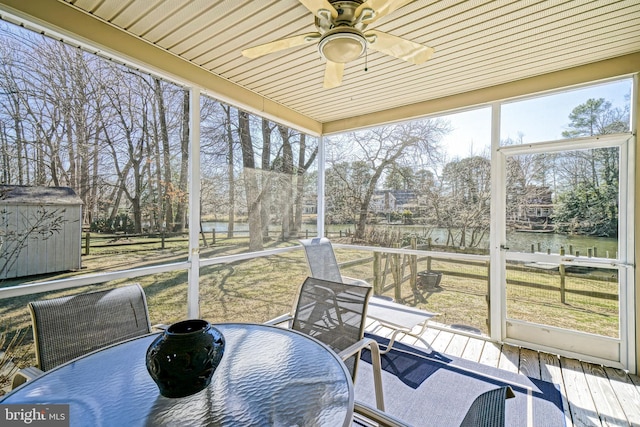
165 193
300 178
251 183
181 207
230 173
265 206
287 182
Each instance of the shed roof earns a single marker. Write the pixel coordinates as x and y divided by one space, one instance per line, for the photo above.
31 195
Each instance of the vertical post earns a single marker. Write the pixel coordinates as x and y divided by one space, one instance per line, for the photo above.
595 252
377 279
87 242
562 283
488 297
193 279
321 206
395 271
213 236
162 240
428 263
413 265
498 237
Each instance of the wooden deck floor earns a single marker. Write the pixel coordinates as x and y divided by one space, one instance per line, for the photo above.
593 395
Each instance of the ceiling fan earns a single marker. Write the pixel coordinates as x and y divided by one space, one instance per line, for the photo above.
343 36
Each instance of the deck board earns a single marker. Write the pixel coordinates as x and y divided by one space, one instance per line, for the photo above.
551 371
627 394
473 350
509 358
457 345
607 404
442 341
529 363
490 354
583 410
592 395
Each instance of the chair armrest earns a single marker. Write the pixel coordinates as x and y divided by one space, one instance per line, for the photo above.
25 374
160 326
357 346
288 318
352 281
380 418
375 362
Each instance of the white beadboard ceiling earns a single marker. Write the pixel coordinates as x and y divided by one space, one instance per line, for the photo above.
477 44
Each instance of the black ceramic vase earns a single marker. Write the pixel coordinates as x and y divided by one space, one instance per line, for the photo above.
182 360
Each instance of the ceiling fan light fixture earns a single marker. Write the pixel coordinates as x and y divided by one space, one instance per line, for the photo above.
342 45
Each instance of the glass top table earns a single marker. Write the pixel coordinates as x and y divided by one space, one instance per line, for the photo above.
268 376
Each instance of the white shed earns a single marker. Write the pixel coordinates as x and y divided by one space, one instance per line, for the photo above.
40 230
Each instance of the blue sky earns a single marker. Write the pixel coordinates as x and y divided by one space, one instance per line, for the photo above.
538 119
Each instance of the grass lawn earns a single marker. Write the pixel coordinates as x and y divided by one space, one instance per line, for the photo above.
260 289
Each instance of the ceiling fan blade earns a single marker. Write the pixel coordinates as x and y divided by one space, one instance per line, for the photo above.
333 74
380 7
315 5
404 49
278 45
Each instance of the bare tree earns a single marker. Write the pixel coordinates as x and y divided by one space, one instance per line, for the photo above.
383 147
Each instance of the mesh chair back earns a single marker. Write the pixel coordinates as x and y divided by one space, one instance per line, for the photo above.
69 327
488 409
333 313
321 259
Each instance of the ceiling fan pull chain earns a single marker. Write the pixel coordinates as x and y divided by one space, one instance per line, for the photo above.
366 59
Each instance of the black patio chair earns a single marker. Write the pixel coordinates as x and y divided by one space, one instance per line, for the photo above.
334 313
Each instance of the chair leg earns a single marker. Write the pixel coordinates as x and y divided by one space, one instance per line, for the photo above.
377 374
393 339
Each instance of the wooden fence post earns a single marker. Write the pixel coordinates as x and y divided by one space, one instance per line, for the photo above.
213 236
413 266
377 280
488 297
87 243
396 269
562 284
162 240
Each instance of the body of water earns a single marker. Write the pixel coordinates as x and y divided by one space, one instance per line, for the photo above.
517 241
